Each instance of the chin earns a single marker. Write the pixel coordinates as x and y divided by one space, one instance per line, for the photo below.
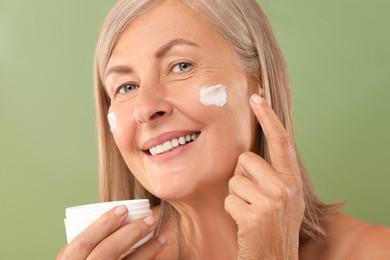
172 195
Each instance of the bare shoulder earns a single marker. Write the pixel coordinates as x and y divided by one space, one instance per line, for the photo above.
349 238
372 242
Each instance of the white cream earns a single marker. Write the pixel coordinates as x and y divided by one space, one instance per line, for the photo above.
213 95
112 121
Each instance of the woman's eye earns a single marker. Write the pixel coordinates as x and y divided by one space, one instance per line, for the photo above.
127 88
181 67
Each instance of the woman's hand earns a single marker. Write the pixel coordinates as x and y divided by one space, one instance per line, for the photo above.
266 201
108 238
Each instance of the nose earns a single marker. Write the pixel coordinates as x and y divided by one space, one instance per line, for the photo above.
151 105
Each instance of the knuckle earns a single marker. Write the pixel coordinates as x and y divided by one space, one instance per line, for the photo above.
242 157
137 231
232 181
296 187
272 206
107 221
235 181
251 220
107 248
281 192
284 139
227 202
83 242
278 206
228 198
245 156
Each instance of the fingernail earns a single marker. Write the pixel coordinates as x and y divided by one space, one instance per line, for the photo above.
149 221
162 240
120 210
256 99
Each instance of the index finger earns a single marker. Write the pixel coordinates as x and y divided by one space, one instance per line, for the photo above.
280 145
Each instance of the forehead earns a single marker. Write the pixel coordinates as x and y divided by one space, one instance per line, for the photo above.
163 22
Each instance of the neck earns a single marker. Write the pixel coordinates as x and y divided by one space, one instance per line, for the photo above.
208 231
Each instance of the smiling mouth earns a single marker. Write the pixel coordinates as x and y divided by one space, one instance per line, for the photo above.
172 144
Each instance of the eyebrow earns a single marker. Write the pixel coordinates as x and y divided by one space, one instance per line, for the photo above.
120 69
169 45
123 69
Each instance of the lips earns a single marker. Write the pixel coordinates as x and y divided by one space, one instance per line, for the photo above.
169 141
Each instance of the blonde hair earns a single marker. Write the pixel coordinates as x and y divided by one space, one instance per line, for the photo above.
245 27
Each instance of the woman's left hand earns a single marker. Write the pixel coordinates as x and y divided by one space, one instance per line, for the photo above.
266 200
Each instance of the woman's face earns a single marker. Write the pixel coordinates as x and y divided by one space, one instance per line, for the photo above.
154 77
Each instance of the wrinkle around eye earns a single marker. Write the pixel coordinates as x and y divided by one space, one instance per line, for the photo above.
182 75
122 97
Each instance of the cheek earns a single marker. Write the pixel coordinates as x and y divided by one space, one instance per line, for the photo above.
239 121
120 120
226 112
185 100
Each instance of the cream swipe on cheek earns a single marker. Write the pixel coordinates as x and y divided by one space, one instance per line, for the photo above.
213 95
112 121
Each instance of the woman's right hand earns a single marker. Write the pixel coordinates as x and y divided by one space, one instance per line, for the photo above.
108 238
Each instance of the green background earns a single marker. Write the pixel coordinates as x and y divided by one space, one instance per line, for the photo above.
339 60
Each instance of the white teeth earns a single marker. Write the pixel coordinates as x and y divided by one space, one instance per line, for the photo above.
175 142
182 140
160 148
169 145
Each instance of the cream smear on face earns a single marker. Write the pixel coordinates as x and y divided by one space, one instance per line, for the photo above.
213 95
112 121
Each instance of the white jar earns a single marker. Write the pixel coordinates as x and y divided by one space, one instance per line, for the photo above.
78 218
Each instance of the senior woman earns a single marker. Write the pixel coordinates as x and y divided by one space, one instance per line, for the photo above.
194 113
